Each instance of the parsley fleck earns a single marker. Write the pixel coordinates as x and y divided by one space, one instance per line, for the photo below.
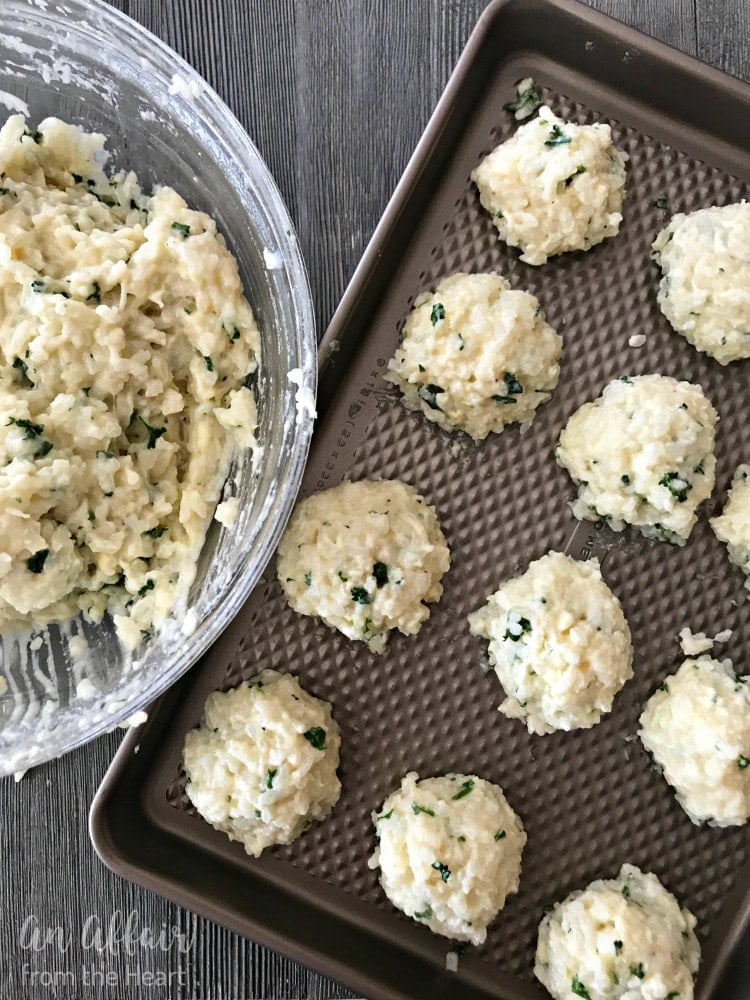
618 947
344 579
270 775
625 479
96 294
316 737
638 971
385 815
515 630
742 762
500 835
578 171
380 572
557 137
425 914
37 285
626 891
31 430
417 809
182 229
360 595
438 313
673 995
34 134
445 872
154 433
677 486
148 585
35 563
527 102
23 372
579 989
104 454
209 362
663 687
428 394
464 790
233 334
155 532
45 447
308 579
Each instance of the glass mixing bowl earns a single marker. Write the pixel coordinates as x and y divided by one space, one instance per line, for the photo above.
81 61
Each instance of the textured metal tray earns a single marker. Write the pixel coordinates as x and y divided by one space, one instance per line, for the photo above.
589 800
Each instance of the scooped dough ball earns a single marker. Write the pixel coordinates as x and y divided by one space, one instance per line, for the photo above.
449 852
476 355
619 939
697 726
642 454
553 187
559 643
263 766
732 526
366 557
705 287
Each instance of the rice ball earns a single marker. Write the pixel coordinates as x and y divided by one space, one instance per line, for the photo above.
559 643
449 852
263 765
553 187
732 526
642 454
705 287
476 355
366 557
697 726
618 939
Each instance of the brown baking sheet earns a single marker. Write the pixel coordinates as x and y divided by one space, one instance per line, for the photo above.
590 800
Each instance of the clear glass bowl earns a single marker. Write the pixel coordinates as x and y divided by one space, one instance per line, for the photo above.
83 62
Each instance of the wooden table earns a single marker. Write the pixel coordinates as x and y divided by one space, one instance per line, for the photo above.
335 93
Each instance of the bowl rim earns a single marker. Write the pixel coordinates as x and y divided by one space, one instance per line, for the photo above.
62 726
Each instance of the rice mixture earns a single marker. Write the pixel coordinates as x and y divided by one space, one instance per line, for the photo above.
476 355
625 938
559 643
449 852
124 345
732 526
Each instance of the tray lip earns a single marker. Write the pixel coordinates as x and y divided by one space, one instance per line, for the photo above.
102 834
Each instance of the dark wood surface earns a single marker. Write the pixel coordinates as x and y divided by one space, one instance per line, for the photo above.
335 94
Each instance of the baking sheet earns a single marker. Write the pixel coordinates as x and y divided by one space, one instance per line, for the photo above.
592 799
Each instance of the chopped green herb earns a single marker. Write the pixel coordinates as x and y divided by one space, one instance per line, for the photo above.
437 313
104 454
96 293
514 386
154 433
35 563
209 362
445 872
31 430
504 399
380 572
677 486
638 971
514 630
618 947
34 134
23 372
360 595
625 479
316 737
626 379
527 102
308 579
45 447
579 989
500 835
661 203
385 815
578 171
233 334
270 775
37 285
422 368
425 914
626 891
742 762
464 790
557 137
156 532
428 394
699 469
673 995
417 809
663 687
181 228
344 579
148 585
